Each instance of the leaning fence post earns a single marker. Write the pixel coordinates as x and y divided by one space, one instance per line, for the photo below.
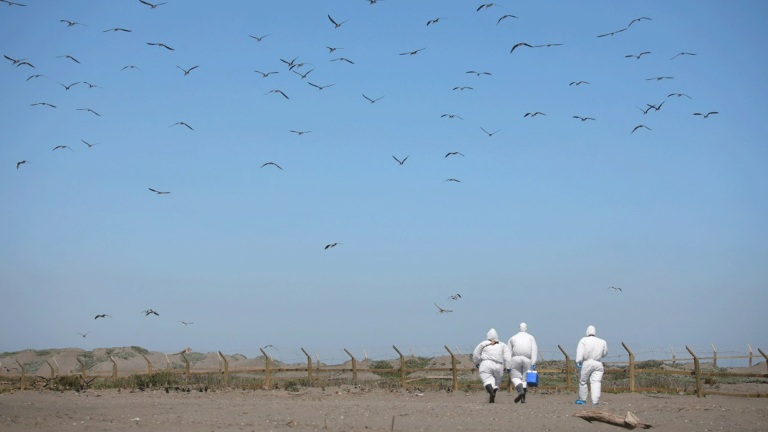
309 366
23 374
51 366
402 365
82 369
57 366
354 366
631 367
114 368
697 371
674 359
149 365
454 372
186 360
458 350
226 367
567 368
715 351
266 369
750 354
167 363
766 357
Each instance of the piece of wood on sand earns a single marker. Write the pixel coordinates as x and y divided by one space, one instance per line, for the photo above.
630 421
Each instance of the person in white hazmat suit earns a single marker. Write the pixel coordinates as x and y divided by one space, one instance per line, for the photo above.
524 352
590 351
490 357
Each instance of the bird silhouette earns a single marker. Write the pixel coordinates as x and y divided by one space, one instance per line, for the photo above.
18 164
277 91
10 3
679 94
490 134
67 87
547 45
152 5
150 311
36 76
454 297
43 103
335 23
577 83
89 110
519 45
614 288
88 144
637 56
372 100
707 114
332 49
659 78
130 67
320 87
264 75
117 29
413 52
62 147
612 33
271 163
303 75
487 6
102 316
72 23
67 56
343 59
401 161
645 111
452 180
83 334
638 20
90 86
450 116
534 114
159 193
186 323
441 310
187 71
160 45
29 64
504 17
300 132
479 73
638 127
434 21
583 118
181 123
682 53
463 88
454 153
332 245
15 62
291 64
258 39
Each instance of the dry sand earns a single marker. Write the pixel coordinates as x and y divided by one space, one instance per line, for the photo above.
347 408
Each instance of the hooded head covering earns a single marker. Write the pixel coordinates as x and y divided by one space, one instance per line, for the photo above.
492 335
523 327
591 331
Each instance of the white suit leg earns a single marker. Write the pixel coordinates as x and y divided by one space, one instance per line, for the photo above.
591 371
596 381
491 373
583 377
520 365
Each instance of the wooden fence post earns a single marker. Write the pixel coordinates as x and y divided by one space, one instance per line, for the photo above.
458 350
226 368
354 366
674 359
52 371
114 368
149 365
697 371
750 354
567 368
454 372
266 369
57 366
23 374
167 363
631 368
309 366
186 375
82 369
715 351
766 357
402 366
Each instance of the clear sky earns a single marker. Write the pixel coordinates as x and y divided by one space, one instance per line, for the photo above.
549 212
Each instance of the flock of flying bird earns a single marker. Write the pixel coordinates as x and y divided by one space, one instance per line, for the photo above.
296 68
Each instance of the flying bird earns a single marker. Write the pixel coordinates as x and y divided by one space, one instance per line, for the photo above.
479 73
187 71
149 311
161 45
117 29
62 147
36 76
72 23
332 245
645 111
344 59
258 39
682 53
303 75
707 114
612 33
332 49
413 52
43 103
505 16
401 161
67 87
300 65
131 67
454 153
181 123
186 323
638 127
638 20
102 316
90 86
69 57
487 6
152 5
335 23
290 64
534 114
463 88
10 3
454 297
577 83
583 118
277 91
321 87
264 75
679 94
489 133
83 335
547 45
14 60
89 144
520 44
637 56
450 116
372 100
28 64
159 193
614 288
434 21
271 163
658 78
18 164
300 132
452 180
90 110
441 310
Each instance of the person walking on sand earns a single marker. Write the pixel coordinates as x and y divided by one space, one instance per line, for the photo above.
524 351
590 351
490 357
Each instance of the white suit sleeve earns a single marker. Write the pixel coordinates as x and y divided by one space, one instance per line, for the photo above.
534 351
507 357
478 351
605 349
580 351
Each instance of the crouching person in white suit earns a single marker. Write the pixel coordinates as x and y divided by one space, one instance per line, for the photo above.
524 354
490 357
590 351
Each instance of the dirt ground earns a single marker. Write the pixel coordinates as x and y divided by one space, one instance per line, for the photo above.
348 408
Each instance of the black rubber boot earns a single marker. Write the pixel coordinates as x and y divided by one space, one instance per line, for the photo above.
525 392
520 393
489 388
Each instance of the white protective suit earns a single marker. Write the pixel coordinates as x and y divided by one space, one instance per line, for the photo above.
524 354
589 352
492 356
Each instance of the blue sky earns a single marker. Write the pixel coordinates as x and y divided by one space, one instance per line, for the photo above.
550 211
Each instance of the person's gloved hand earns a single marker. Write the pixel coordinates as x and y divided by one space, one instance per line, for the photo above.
578 365
477 366
533 367
509 370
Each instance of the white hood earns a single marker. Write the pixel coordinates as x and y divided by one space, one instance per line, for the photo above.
492 335
591 331
523 327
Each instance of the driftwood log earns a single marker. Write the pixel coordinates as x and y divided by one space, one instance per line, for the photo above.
630 421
